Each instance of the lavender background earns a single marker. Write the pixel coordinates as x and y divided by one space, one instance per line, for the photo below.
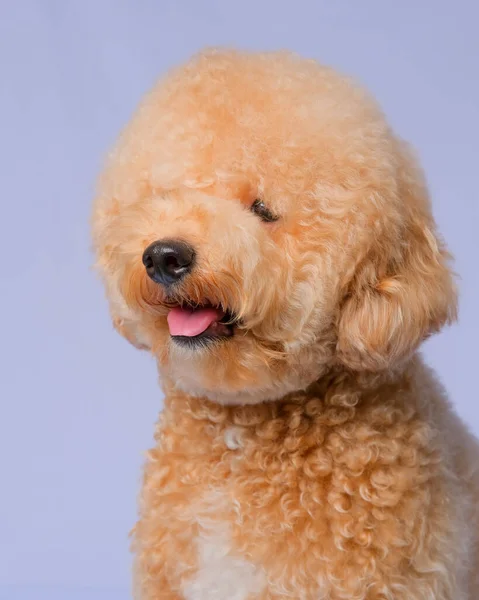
77 403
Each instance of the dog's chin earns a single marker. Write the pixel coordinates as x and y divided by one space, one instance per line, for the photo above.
230 370
226 392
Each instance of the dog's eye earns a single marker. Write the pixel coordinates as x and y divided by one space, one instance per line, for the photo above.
259 208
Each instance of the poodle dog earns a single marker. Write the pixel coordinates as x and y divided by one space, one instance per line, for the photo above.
262 232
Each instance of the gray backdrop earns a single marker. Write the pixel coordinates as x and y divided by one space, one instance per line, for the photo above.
77 403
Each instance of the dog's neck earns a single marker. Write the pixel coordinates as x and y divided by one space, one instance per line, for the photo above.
338 390
197 429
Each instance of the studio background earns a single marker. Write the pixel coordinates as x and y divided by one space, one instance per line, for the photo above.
77 402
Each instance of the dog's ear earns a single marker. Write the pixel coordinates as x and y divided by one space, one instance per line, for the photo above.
404 290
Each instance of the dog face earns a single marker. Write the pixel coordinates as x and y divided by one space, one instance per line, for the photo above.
258 224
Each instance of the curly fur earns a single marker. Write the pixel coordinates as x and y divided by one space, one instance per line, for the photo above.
312 455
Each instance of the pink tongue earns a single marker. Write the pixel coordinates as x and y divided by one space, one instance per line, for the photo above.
190 322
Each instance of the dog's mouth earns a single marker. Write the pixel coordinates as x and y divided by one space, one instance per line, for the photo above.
197 325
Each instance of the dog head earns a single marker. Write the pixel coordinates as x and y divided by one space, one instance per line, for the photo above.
258 224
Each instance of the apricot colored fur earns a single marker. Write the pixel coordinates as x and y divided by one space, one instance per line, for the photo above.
312 455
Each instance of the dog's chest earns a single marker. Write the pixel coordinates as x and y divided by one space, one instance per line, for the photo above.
222 571
287 508
250 528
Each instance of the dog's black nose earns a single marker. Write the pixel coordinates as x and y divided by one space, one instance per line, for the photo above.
167 261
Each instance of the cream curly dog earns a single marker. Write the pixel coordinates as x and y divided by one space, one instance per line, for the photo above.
265 235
